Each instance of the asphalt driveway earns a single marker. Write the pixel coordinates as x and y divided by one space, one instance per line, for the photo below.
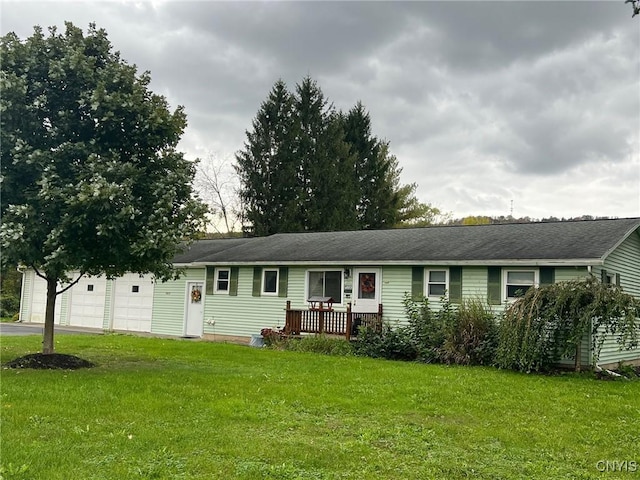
21 329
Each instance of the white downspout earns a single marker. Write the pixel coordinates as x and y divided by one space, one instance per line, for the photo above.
21 270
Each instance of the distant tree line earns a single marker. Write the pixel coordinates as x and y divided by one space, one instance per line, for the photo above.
502 219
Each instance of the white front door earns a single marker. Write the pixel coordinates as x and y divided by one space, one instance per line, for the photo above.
366 287
194 312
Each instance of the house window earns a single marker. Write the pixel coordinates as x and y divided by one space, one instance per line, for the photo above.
89 288
436 283
135 288
270 282
222 280
610 278
325 284
517 282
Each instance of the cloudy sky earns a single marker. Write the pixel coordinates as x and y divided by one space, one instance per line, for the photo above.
488 106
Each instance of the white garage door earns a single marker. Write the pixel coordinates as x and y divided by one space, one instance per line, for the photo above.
133 302
87 302
39 301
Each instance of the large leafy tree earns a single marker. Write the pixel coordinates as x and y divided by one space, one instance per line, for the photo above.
307 167
91 178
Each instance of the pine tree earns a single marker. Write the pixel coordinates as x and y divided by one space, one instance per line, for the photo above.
268 167
307 167
377 203
325 163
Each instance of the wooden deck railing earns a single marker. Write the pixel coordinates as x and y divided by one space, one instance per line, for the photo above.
329 321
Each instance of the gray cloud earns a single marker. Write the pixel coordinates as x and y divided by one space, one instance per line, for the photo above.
482 102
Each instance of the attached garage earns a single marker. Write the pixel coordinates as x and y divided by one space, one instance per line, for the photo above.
34 288
86 306
132 302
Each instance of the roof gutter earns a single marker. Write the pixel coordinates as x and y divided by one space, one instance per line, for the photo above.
22 270
578 262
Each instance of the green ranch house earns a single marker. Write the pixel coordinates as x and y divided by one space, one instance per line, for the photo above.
328 281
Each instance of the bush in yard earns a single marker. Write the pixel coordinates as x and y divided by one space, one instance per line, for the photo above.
428 328
472 339
465 335
9 304
390 343
549 323
319 344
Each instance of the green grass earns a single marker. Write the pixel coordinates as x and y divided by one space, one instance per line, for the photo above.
171 409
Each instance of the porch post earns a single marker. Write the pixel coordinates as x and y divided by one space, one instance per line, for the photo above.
287 318
349 322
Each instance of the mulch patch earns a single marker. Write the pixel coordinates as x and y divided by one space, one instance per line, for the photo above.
50 361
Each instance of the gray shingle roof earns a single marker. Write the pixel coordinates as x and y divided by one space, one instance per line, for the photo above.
554 241
202 248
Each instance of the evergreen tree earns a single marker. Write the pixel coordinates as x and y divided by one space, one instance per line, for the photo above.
377 203
268 167
327 187
307 167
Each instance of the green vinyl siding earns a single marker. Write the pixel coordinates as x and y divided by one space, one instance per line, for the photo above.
474 283
565 274
612 352
625 262
247 314
585 355
169 302
396 283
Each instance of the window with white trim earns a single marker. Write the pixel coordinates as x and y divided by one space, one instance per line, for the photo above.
437 281
325 283
270 282
223 277
517 281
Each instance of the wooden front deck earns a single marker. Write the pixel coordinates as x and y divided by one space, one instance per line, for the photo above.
329 321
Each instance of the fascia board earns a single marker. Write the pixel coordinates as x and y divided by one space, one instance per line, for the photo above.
578 262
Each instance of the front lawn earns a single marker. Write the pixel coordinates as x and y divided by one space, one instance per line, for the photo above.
171 409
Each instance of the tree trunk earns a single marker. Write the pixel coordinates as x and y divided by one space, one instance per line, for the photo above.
578 363
49 316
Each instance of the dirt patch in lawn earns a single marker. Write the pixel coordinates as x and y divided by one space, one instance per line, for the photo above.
630 372
51 361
